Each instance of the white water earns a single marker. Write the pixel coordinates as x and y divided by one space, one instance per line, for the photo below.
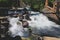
41 25
16 28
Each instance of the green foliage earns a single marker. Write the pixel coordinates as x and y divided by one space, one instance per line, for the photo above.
51 1
3 0
37 4
6 3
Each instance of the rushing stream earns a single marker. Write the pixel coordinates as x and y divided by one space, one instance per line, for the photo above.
16 28
39 24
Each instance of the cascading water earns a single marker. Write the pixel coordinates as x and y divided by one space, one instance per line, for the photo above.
16 28
41 25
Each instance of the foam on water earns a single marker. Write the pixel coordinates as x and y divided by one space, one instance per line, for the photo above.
41 25
16 28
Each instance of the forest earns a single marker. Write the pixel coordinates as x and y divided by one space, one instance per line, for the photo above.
35 4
